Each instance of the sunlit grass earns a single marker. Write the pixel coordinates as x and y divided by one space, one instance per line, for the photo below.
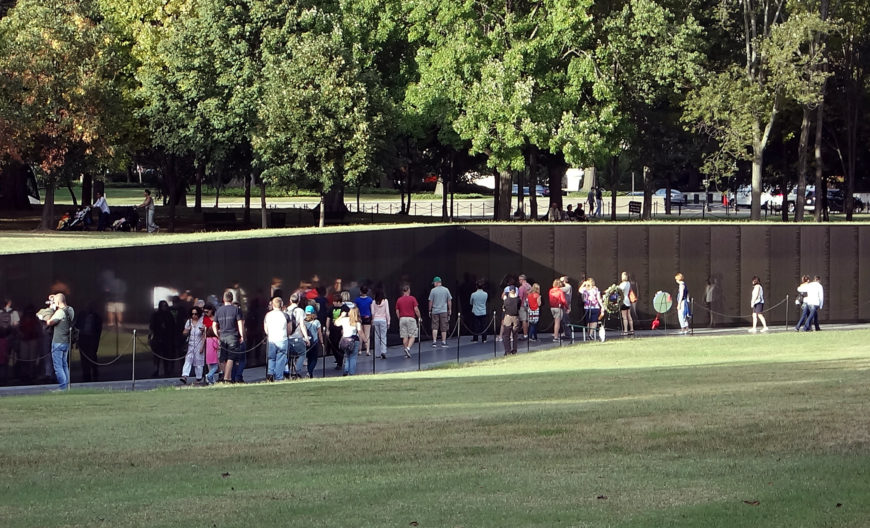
761 430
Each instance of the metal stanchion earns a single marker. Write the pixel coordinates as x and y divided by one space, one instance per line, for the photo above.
458 334
419 345
133 369
494 338
786 311
692 319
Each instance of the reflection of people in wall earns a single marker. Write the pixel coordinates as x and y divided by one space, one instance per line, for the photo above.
161 338
115 291
90 326
710 292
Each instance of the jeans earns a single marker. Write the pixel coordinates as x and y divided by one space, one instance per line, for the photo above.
533 331
805 313
212 373
681 315
59 357
350 360
811 316
380 336
296 350
276 359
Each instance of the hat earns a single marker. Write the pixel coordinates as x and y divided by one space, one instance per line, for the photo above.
309 310
436 279
512 289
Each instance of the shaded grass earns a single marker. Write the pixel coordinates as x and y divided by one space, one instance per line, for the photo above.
677 432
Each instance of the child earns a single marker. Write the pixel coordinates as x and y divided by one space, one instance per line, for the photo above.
314 331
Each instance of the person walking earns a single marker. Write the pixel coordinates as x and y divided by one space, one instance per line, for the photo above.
592 304
364 303
757 305
299 340
533 303
440 307
229 325
315 332
212 346
103 207
350 325
599 201
684 311
813 301
380 310
558 306
803 289
625 308
148 205
478 312
276 325
408 312
61 342
820 291
194 331
510 321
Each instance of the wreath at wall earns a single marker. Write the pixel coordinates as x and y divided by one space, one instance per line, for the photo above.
613 299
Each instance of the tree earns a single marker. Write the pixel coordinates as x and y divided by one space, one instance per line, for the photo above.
321 127
58 92
738 106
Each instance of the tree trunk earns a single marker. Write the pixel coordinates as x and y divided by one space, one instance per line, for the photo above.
72 194
444 185
87 189
496 195
452 181
647 193
533 183
48 205
803 152
556 168
322 217
504 199
247 215
264 217
172 181
521 195
200 176
614 185
821 188
757 164
217 196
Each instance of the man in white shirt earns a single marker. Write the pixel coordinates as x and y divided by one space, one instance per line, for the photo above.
813 300
103 207
299 339
277 327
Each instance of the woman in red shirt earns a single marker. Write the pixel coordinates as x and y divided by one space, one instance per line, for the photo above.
533 301
557 304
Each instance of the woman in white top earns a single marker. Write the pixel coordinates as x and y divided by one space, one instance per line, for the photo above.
380 322
625 307
351 327
194 330
757 304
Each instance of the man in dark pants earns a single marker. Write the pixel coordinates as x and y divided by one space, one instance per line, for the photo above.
229 325
162 339
511 323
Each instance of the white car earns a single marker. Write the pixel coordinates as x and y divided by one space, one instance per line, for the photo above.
676 196
743 197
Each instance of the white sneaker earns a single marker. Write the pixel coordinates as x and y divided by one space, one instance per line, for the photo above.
765 329
752 330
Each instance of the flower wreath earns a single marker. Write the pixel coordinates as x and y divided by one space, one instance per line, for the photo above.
612 299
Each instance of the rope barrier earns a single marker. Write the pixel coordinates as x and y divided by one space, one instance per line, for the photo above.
741 316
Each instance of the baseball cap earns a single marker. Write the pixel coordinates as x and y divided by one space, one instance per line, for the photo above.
436 279
309 310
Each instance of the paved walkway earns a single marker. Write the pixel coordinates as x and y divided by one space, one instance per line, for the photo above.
424 356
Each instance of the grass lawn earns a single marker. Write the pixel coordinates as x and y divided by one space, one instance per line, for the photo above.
764 430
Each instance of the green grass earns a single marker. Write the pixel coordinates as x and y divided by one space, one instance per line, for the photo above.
659 432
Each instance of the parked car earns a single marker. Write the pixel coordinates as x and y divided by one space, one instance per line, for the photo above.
540 190
676 196
743 197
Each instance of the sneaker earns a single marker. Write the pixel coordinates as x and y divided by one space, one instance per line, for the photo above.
183 381
765 329
434 344
408 353
383 356
752 330
270 378
443 344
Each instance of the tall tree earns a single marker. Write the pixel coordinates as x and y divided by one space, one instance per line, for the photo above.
58 91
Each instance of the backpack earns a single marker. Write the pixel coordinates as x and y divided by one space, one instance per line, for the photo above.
73 329
294 324
5 319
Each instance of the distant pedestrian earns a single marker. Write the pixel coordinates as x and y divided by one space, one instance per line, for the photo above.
230 329
478 312
440 307
408 312
599 201
625 308
757 305
510 321
364 303
380 310
558 306
684 310
103 207
350 325
533 304
148 206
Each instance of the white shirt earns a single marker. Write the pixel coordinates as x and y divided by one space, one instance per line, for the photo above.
814 293
276 326
102 205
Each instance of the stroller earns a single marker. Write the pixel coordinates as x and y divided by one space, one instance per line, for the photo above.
128 220
77 221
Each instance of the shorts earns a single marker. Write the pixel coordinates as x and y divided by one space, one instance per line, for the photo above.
407 327
758 308
524 314
592 315
230 350
625 308
440 322
115 307
366 320
556 312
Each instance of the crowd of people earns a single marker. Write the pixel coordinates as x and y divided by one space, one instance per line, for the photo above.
215 338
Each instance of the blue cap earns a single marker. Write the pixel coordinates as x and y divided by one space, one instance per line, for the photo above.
309 310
